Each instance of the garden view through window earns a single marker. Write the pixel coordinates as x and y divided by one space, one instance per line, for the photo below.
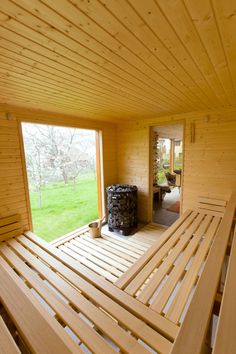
61 169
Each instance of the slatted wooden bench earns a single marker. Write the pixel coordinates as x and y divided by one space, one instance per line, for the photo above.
194 328
214 231
226 330
164 277
110 255
7 343
56 302
55 310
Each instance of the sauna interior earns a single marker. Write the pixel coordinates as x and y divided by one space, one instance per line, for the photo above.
125 70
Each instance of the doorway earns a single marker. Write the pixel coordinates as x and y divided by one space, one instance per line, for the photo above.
62 173
167 173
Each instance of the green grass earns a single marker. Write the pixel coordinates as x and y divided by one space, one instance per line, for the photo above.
64 207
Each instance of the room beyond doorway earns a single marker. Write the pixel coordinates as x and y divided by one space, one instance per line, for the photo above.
62 177
167 172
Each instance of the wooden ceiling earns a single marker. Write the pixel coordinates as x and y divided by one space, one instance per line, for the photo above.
118 59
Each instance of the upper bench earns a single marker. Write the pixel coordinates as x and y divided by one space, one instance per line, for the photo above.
165 277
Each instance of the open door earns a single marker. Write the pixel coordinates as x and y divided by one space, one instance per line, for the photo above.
167 172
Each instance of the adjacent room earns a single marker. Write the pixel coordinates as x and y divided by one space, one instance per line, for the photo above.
167 154
117 176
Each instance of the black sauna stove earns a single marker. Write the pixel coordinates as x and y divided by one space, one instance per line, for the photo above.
122 208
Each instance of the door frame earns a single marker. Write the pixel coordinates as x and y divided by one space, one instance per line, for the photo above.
150 198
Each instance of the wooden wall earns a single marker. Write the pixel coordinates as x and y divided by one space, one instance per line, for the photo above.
13 185
209 162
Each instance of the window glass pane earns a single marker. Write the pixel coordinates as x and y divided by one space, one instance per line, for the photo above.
61 169
164 154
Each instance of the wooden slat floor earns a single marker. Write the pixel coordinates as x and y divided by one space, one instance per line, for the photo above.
112 254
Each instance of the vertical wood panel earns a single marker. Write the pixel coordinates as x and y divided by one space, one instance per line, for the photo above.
209 162
12 190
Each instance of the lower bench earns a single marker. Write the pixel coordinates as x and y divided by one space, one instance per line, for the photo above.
55 310
58 305
7 343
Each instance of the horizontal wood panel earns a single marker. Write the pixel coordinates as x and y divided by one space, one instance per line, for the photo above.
12 188
159 58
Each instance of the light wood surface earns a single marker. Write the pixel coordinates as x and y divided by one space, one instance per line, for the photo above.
165 277
115 67
193 331
209 163
12 183
112 254
211 206
72 305
225 335
204 160
160 324
143 261
7 343
36 323
13 187
10 226
68 301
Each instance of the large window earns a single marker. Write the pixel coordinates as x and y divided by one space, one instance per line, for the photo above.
61 168
164 155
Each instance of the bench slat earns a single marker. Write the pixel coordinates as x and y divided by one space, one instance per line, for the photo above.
176 308
146 270
211 212
167 263
91 243
30 318
102 263
212 201
164 294
125 279
70 317
99 255
193 330
132 245
91 265
7 343
225 335
211 207
139 328
103 322
159 323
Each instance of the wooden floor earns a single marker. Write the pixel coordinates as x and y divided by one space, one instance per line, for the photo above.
112 254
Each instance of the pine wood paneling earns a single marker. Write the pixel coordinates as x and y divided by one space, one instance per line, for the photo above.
118 60
12 189
209 162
